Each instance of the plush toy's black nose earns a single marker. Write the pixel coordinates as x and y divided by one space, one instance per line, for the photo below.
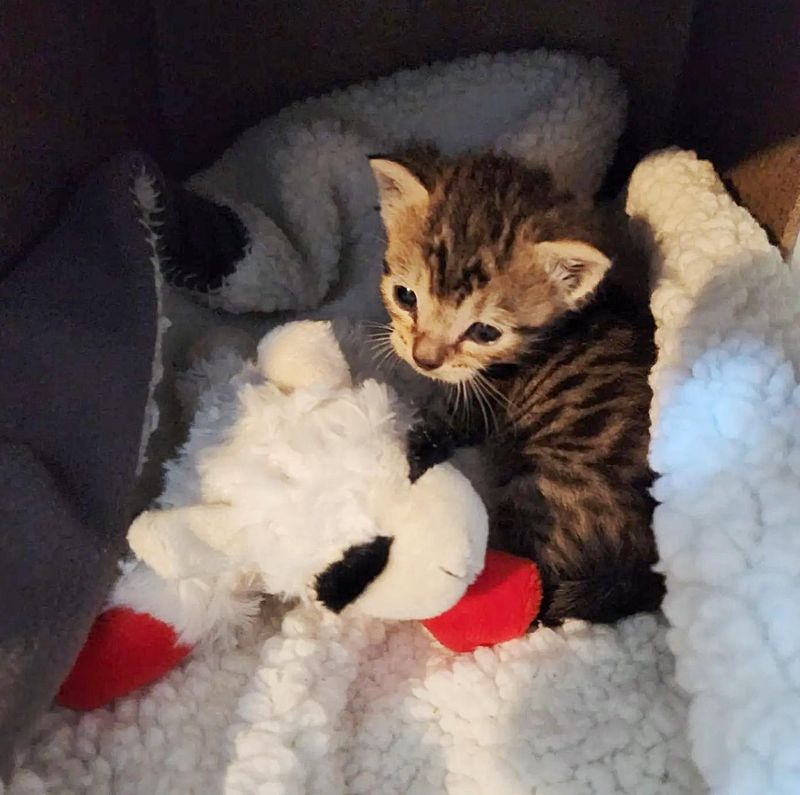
344 581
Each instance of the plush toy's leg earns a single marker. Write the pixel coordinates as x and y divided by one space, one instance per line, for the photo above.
499 606
230 255
134 642
150 625
125 650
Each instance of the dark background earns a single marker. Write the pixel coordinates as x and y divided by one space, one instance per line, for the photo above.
82 79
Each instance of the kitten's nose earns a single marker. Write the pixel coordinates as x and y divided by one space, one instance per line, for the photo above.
427 364
427 356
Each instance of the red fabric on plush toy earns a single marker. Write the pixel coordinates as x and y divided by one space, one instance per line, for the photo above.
126 650
499 606
356 531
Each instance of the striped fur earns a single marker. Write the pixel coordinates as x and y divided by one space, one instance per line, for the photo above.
560 399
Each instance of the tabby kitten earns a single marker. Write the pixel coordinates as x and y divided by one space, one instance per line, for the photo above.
513 292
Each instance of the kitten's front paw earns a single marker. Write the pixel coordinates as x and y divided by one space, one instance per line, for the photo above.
428 445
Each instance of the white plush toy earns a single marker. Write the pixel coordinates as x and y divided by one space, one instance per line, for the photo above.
294 481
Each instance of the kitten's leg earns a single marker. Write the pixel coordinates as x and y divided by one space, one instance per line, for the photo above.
436 436
518 524
429 443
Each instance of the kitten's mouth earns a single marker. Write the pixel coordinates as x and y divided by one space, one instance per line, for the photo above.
445 375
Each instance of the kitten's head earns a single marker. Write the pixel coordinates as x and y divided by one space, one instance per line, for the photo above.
481 253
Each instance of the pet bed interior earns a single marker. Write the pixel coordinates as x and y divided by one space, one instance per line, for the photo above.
180 731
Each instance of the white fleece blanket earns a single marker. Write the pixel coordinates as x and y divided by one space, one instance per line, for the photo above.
313 704
301 182
726 440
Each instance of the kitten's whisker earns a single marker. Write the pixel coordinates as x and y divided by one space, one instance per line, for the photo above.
460 405
386 355
379 331
382 337
488 386
380 345
485 405
494 391
377 325
472 388
381 352
379 341
455 394
475 386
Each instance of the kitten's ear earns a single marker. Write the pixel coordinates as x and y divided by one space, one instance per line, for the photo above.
398 188
576 268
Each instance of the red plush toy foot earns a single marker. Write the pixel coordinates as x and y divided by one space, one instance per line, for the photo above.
500 605
124 650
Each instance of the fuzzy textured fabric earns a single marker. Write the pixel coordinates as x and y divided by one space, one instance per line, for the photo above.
294 470
77 336
726 440
124 651
500 605
365 707
310 703
288 215
301 186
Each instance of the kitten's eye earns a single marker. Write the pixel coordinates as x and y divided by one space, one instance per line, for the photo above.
483 333
405 297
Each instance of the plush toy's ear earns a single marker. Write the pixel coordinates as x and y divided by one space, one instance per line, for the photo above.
574 267
398 189
344 581
302 354
183 542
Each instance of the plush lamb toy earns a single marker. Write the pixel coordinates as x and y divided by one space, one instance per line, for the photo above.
295 482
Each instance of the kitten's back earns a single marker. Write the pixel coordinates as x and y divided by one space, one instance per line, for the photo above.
578 502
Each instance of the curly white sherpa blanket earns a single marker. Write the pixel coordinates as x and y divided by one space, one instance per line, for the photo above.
314 704
301 184
726 440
